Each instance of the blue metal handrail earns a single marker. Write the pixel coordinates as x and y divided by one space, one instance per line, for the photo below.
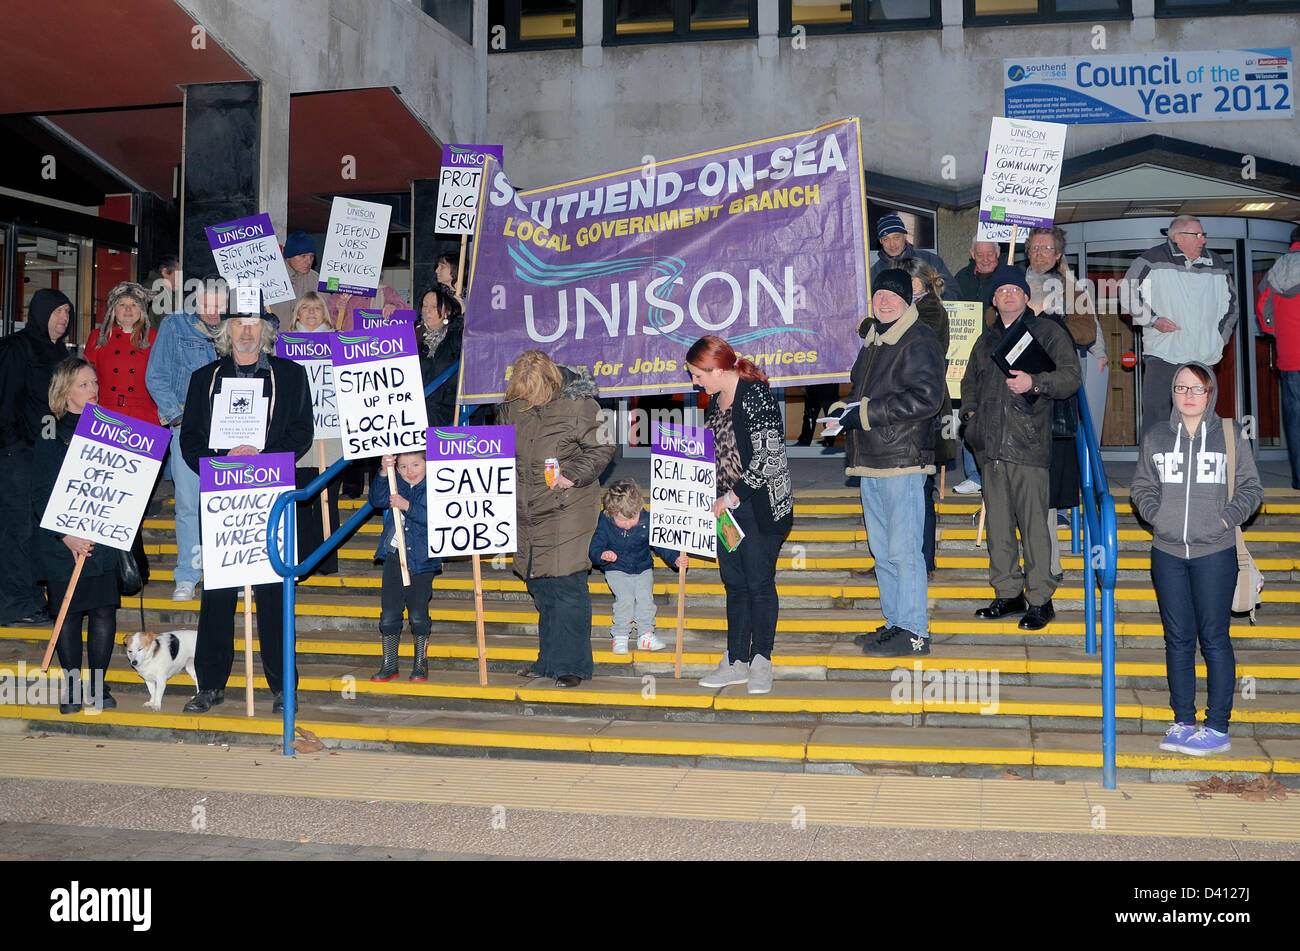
1100 560
283 510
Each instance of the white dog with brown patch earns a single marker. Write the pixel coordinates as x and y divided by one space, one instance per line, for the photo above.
160 657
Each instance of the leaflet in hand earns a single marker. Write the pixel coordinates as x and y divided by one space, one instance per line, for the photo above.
833 427
729 531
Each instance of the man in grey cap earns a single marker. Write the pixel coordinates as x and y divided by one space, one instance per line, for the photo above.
1009 428
895 248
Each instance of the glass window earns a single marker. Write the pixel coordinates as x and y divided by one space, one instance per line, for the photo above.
533 24
631 21
1182 8
994 12
455 15
820 12
850 16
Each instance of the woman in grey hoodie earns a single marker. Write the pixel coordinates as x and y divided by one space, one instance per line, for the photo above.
1181 489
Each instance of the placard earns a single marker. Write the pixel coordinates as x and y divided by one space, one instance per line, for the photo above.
965 324
239 412
106 478
991 231
235 498
1022 171
459 183
379 391
312 350
471 490
1196 86
683 488
366 319
248 253
354 247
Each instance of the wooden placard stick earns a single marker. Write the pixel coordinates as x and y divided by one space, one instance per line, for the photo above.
1011 249
460 266
478 622
324 493
63 612
398 531
248 649
681 615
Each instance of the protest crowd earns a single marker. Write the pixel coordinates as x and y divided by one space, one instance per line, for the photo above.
1013 429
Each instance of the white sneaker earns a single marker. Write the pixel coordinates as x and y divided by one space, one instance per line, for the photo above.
620 644
728 673
648 642
967 487
760 675
184 591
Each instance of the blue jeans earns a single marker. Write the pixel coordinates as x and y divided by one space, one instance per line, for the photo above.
968 464
1195 597
185 481
1291 420
563 625
893 509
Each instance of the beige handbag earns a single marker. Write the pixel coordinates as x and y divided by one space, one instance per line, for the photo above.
1249 579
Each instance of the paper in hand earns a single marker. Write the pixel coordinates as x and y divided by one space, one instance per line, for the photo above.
833 427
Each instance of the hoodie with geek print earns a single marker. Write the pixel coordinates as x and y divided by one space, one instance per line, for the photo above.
1181 484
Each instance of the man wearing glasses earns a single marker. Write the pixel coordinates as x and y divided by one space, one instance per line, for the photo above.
1184 299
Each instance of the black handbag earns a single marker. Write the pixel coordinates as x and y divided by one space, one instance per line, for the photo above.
129 582
1065 418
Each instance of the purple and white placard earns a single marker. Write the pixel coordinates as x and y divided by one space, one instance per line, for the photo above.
235 498
106 478
312 350
248 254
379 391
683 488
471 490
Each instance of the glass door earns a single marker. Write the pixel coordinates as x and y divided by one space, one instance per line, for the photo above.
53 262
1263 351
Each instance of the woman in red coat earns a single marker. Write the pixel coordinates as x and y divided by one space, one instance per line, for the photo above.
119 351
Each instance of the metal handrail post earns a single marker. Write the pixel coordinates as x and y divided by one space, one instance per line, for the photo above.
1108 656
283 511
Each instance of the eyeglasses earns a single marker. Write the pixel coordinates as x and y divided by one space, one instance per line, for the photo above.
1194 390
1043 249
1193 234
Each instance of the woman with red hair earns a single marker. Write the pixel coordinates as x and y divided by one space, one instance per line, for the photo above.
754 483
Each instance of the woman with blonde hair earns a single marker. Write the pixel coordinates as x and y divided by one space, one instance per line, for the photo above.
559 456
311 313
95 600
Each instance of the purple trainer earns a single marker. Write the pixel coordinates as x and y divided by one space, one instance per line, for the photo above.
1206 742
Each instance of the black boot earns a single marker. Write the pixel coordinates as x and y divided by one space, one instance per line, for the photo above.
420 670
97 693
70 701
389 670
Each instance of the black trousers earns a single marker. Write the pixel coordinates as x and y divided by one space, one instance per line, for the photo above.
563 625
215 653
749 576
20 595
394 598
311 531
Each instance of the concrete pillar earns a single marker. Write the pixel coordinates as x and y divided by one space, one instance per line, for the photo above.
220 164
425 245
1144 21
273 190
952 13
593 33
478 121
769 23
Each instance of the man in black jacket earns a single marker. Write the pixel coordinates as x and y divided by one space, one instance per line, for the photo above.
898 378
27 362
1009 428
244 346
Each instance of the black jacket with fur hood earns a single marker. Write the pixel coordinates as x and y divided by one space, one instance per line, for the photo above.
1181 484
556 525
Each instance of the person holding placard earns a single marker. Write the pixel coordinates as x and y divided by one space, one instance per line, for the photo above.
95 600
244 345
299 259
386 300
411 500
559 456
311 314
754 482
440 333
183 345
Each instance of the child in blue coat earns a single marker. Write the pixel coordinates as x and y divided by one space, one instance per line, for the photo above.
621 547
411 501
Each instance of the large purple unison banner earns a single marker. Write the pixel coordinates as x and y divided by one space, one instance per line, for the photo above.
763 244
